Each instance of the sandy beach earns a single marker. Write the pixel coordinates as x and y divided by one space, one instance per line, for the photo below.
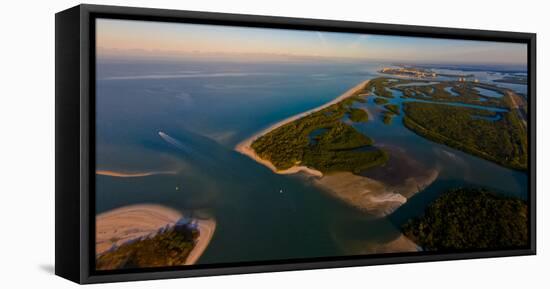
366 194
120 174
383 189
121 225
245 148
372 196
206 227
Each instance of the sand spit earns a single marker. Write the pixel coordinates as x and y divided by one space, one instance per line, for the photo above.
206 227
121 225
415 184
364 193
132 174
245 148
373 196
251 153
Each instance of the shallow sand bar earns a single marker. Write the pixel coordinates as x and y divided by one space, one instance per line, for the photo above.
121 225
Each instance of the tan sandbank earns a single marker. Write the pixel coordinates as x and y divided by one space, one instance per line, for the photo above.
383 189
206 227
118 226
364 193
122 174
373 196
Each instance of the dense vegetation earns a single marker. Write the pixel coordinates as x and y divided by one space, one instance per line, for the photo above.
322 141
378 86
168 248
468 218
387 117
503 141
393 108
339 146
380 101
358 115
463 92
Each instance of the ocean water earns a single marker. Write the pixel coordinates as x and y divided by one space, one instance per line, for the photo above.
206 108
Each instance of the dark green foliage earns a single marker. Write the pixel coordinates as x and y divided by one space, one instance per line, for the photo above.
393 108
469 218
503 141
339 148
343 160
421 91
378 86
358 115
380 101
436 92
387 117
169 248
342 137
360 99
466 93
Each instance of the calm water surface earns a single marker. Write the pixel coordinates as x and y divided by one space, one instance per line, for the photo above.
209 107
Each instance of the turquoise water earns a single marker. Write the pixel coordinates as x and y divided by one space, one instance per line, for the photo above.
209 107
451 91
488 92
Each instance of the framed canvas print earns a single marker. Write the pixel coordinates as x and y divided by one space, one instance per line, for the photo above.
192 144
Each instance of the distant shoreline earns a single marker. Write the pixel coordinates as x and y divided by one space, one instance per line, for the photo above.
245 147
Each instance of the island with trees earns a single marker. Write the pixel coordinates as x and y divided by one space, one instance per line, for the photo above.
470 218
358 115
168 247
498 137
322 141
457 114
149 235
478 118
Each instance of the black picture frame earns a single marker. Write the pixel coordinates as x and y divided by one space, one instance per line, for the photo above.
75 140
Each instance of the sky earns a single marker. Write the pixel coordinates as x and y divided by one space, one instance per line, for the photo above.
131 38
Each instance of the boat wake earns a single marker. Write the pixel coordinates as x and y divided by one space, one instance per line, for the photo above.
175 142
